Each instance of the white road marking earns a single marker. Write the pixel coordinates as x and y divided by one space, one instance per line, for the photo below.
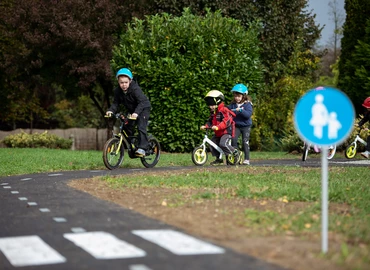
32 203
359 162
26 179
178 243
96 171
44 210
102 245
60 219
139 267
29 250
78 230
15 192
7 187
23 198
4 184
55 174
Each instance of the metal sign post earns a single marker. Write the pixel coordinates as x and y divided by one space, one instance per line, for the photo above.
324 116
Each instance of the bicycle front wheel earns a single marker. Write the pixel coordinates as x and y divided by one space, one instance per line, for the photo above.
152 154
199 156
305 152
350 151
112 156
331 151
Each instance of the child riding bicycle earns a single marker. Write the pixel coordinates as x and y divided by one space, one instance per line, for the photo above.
222 123
243 108
136 103
366 118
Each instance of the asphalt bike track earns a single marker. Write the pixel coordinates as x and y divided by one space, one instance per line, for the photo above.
45 224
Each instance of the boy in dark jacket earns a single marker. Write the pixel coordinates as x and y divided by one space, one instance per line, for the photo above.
130 95
222 123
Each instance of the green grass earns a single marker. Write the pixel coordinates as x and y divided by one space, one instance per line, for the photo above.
15 161
348 187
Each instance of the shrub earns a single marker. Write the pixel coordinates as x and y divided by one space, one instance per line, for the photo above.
177 60
43 140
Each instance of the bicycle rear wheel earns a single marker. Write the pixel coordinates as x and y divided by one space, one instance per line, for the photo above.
111 157
153 153
350 151
305 151
199 156
331 151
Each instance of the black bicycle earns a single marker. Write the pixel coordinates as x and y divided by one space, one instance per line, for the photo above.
114 148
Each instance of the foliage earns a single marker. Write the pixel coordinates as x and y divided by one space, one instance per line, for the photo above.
43 140
46 43
177 60
352 79
277 101
283 23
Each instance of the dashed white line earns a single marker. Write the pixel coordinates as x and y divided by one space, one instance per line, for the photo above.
4 184
55 174
102 245
23 198
78 230
139 267
32 203
29 250
178 243
26 179
15 192
7 187
60 219
44 210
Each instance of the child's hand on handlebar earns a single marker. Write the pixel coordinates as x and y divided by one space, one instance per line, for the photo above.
214 128
203 127
133 116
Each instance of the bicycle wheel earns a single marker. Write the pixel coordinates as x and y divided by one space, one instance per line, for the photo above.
305 152
331 151
153 153
199 156
231 160
113 159
350 151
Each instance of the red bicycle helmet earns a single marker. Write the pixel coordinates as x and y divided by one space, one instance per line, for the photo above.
366 103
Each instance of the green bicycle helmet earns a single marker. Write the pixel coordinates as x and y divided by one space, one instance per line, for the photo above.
124 72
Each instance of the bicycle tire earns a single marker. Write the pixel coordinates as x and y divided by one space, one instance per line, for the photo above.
305 152
350 151
113 160
331 152
199 156
230 159
152 154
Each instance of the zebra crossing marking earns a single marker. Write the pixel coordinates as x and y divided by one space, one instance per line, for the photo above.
178 243
29 250
103 245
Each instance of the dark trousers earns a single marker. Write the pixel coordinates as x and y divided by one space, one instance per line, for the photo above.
246 133
142 124
224 143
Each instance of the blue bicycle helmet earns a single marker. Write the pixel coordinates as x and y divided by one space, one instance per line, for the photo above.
240 88
124 72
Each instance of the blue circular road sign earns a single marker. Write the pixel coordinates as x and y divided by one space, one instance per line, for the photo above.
324 116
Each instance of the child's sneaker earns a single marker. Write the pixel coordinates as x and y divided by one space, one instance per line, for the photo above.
365 154
140 152
217 162
246 162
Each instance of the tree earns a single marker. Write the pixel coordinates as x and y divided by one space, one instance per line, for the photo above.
337 17
353 32
64 43
283 23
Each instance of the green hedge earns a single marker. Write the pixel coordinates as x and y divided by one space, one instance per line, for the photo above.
177 60
36 140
